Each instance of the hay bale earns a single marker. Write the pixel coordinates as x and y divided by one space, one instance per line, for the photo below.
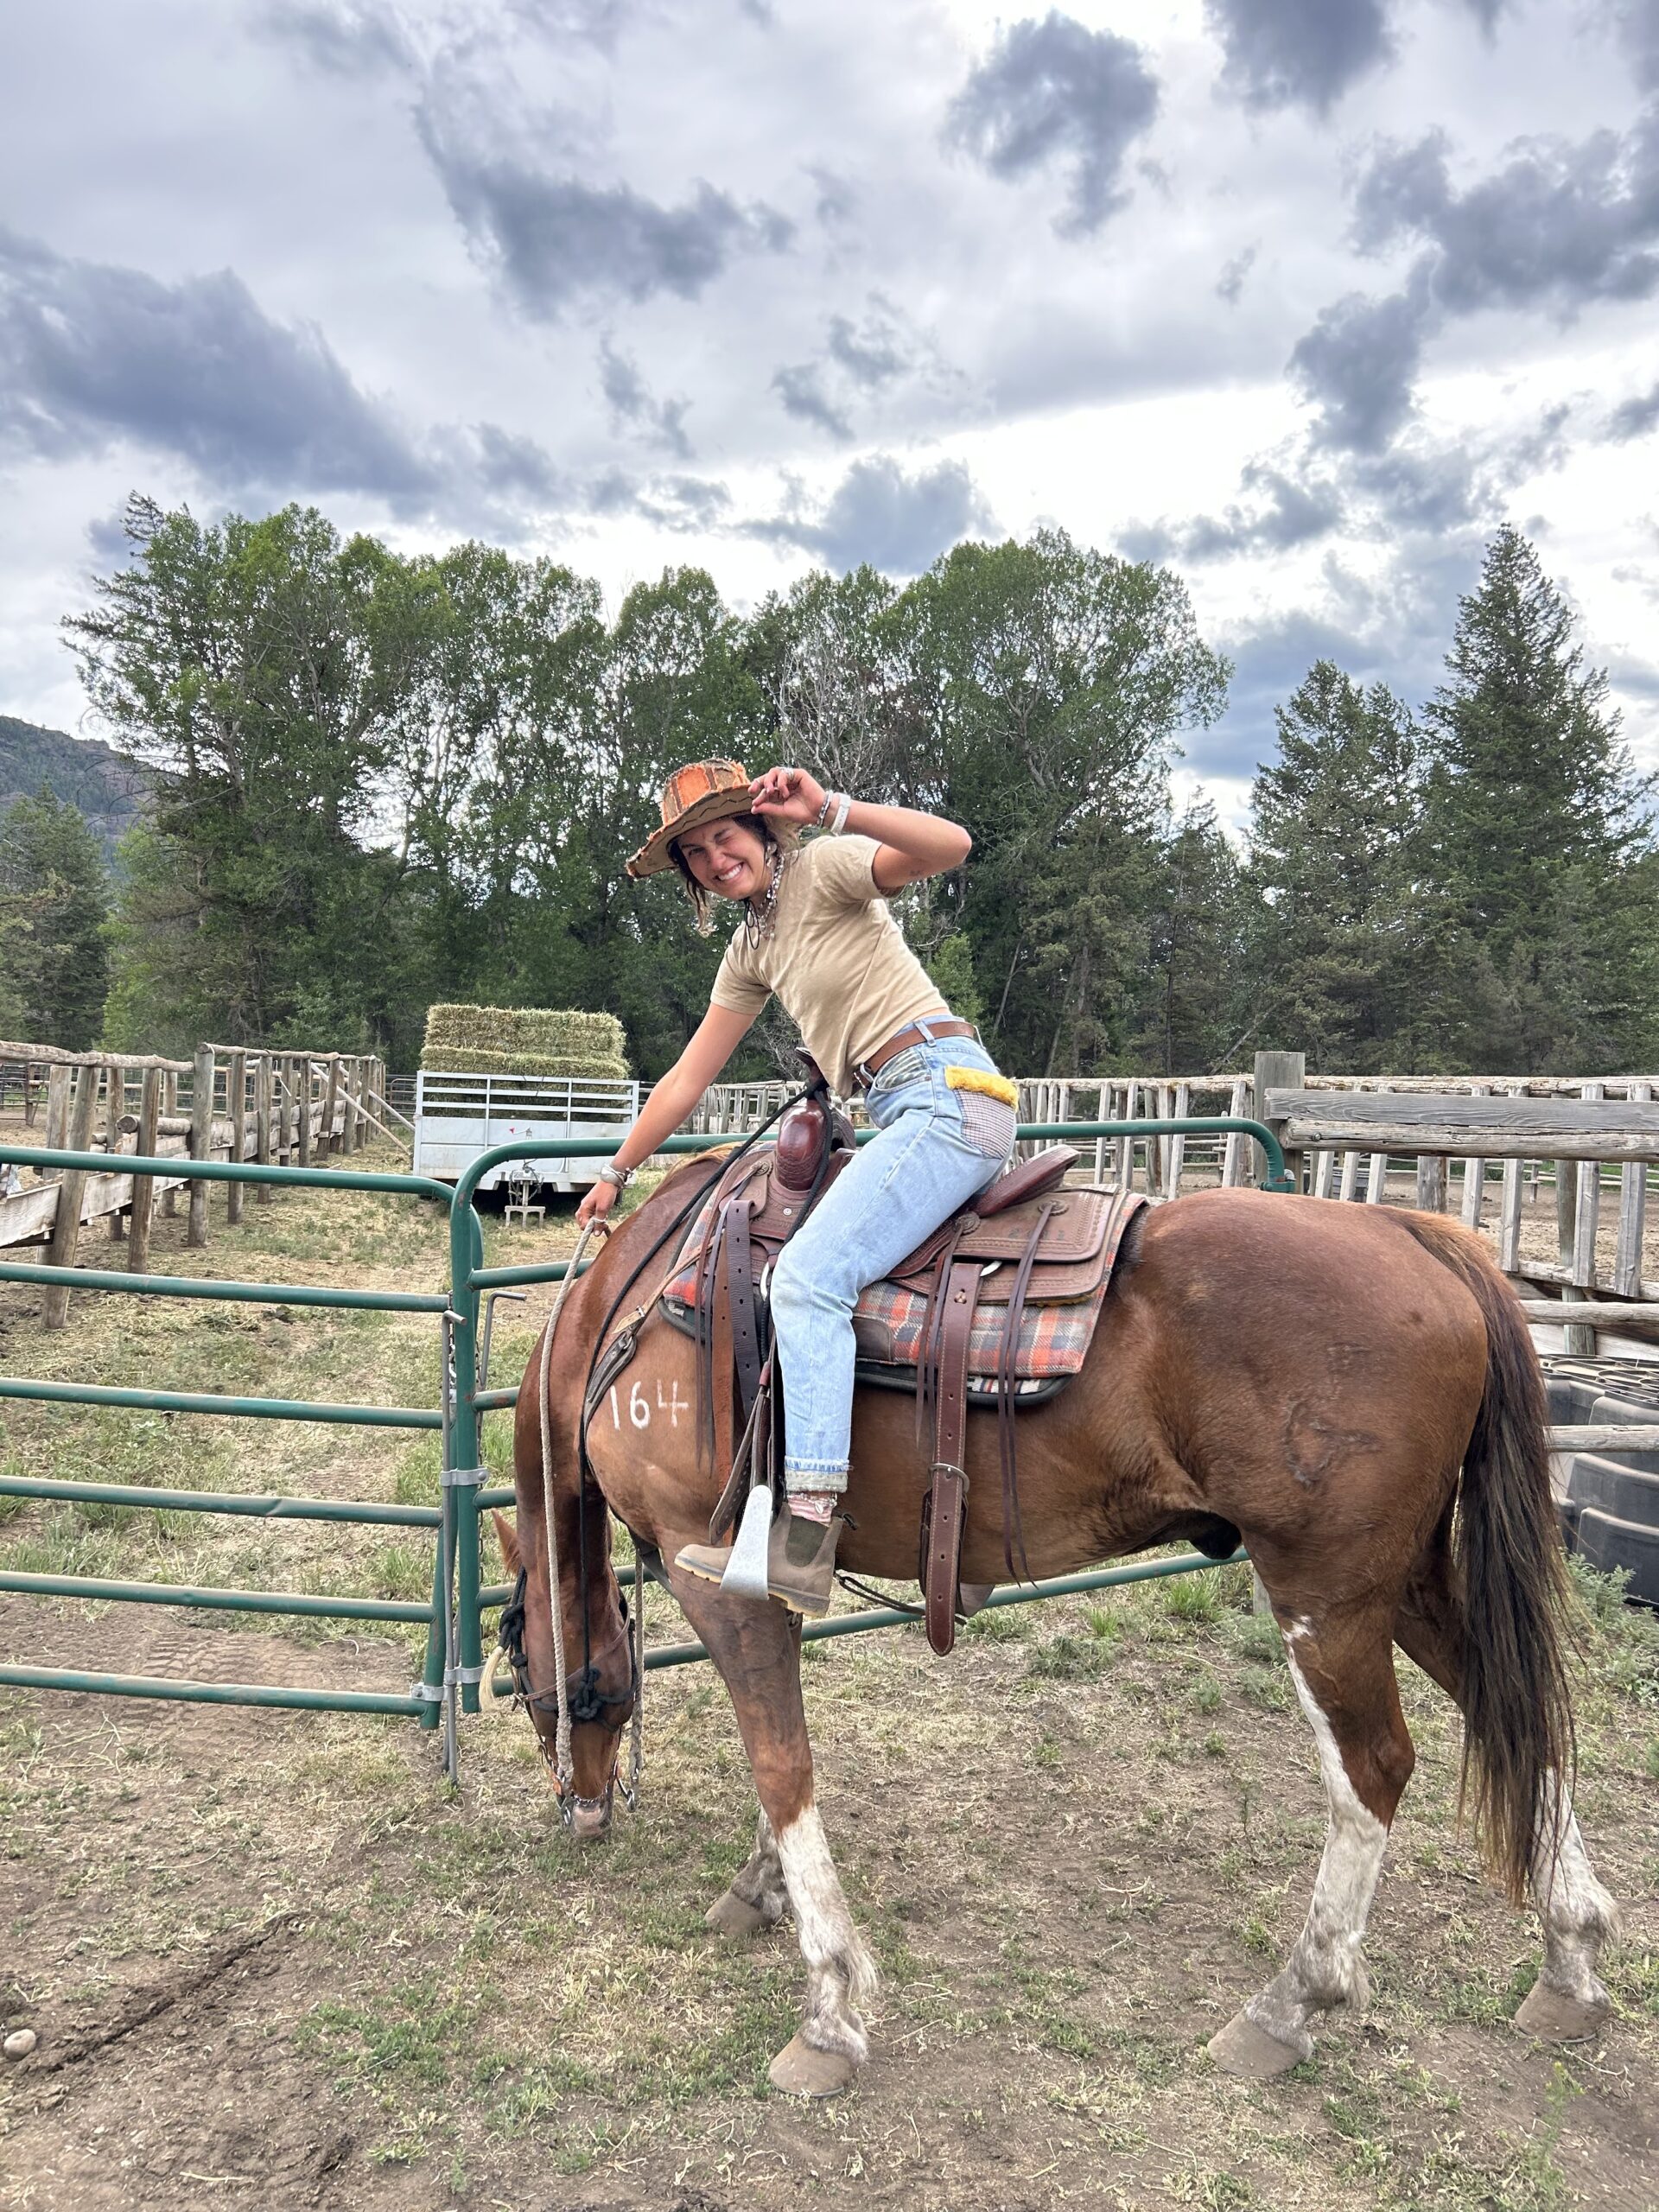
524 1029
524 1040
593 1067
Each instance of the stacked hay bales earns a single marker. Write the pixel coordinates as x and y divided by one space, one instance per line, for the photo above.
523 1040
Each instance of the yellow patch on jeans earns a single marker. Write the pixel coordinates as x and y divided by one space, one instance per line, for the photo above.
993 1086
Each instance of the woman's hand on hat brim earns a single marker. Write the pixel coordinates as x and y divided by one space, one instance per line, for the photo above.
786 795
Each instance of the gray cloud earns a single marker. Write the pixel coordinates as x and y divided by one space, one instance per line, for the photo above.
1635 417
1230 283
1636 22
678 502
872 353
1560 223
91 354
341 38
837 199
661 421
1290 513
1052 92
800 387
1297 53
898 523
1358 364
551 236
92 357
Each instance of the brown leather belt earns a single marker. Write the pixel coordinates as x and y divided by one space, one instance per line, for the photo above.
924 1031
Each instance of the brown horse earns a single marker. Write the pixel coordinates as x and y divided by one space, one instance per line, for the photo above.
1351 1390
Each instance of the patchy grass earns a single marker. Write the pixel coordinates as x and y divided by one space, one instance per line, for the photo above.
1075 1850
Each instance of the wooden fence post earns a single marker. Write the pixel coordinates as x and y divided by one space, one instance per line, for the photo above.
347 1084
331 1107
31 1095
1279 1072
1632 1216
169 1110
1580 1342
115 1109
304 1072
57 1110
201 1140
71 1190
263 1092
143 1186
236 1086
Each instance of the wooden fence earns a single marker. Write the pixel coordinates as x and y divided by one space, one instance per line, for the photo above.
226 1102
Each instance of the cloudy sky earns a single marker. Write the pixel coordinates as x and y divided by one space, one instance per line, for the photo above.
1300 295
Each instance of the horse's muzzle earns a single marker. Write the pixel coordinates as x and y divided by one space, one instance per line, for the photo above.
589 1819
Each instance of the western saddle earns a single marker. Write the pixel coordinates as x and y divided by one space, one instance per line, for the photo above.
987 1288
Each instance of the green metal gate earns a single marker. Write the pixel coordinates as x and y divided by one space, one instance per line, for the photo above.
453 1617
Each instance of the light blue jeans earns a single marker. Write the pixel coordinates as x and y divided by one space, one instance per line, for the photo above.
937 1147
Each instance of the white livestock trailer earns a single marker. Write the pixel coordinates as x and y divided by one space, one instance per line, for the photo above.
458 1117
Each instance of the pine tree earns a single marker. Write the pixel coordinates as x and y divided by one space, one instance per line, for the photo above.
1197 968
1539 823
53 899
1346 958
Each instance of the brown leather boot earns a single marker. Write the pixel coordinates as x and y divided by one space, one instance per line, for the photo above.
800 1561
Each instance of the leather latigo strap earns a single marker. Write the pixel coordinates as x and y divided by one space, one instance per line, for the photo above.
927 1031
947 1503
1012 1534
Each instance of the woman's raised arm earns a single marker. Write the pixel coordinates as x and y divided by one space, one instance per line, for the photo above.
716 1037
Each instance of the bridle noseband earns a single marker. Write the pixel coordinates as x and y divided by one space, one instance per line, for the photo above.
584 1702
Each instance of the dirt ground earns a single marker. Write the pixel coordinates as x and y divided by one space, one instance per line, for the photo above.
272 1957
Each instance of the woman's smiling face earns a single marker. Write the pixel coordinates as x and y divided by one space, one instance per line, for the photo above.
728 858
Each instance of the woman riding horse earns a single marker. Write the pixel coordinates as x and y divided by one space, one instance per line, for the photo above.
815 930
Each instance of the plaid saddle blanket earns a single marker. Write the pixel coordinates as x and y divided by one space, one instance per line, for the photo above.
1054 1337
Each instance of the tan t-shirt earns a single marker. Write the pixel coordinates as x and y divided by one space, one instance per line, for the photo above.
837 959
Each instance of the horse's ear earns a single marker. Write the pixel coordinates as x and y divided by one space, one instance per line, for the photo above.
507 1537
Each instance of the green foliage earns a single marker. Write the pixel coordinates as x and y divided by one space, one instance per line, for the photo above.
382 782
1345 942
1540 834
53 899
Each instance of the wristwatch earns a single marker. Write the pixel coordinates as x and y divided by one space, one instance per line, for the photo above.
621 1177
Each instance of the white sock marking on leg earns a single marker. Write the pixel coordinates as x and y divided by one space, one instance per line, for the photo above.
1577 1914
841 1975
1325 1968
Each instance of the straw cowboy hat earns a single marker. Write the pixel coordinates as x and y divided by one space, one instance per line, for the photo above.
703 790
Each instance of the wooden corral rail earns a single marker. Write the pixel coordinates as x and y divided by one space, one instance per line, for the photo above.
226 1102
1498 1127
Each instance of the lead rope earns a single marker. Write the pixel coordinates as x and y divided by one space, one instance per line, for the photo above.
562 1770
630 1788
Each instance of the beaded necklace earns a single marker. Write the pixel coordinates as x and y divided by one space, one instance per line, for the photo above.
760 918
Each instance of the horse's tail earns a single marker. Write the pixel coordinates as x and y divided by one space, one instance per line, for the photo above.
1510 1571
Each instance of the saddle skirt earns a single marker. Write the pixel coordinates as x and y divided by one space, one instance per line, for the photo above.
1066 1285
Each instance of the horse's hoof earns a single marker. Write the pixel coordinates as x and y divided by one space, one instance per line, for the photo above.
1249 2053
800 2071
734 1917
1553 2017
